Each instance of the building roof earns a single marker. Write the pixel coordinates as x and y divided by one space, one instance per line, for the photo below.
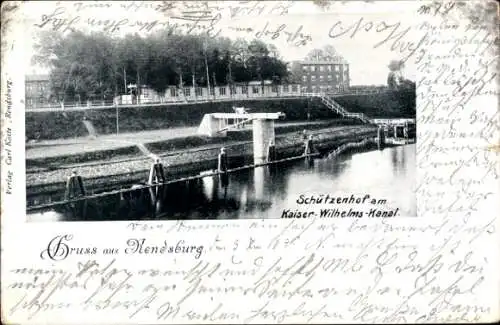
257 82
335 60
37 77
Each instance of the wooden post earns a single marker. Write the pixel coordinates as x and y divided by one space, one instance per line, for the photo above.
156 176
309 149
156 173
74 186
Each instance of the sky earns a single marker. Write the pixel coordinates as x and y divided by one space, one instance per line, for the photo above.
248 19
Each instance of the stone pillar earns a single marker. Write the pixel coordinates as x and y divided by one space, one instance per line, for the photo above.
380 137
260 182
263 133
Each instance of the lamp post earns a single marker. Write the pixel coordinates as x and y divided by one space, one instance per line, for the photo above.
117 119
205 48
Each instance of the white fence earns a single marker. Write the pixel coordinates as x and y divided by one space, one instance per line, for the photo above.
190 95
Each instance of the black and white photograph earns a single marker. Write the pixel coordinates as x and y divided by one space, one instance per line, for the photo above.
182 119
249 162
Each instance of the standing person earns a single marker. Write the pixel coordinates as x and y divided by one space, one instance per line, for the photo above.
222 164
309 146
304 135
271 151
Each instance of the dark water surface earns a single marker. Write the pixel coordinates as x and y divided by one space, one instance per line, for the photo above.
264 192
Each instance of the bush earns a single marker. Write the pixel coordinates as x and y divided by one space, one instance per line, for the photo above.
393 104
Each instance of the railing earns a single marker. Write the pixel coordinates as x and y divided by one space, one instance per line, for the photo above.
333 105
150 186
393 121
351 145
186 100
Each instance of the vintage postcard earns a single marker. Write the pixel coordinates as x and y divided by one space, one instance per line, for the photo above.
250 162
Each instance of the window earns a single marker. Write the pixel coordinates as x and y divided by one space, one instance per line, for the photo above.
198 91
338 76
285 88
232 90
313 78
304 78
316 68
321 68
274 88
222 91
173 92
255 90
244 90
304 68
329 68
187 92
294 88
330 77
212 91
321 78
337 67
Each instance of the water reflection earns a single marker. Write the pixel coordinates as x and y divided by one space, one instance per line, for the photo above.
259 193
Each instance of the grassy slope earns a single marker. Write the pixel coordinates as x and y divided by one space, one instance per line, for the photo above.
57 125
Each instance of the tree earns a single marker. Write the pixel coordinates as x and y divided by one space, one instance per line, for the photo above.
96 66
326 53
330 53
315 55
396 79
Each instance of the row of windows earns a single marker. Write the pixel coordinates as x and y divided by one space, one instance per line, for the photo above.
232 90
327 88
35 101
321 78
322 68
32 87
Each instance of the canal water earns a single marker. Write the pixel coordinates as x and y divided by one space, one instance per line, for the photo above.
372 182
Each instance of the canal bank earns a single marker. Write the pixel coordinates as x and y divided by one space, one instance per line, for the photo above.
105 176
267 192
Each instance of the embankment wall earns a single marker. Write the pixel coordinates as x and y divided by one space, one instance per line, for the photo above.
60 125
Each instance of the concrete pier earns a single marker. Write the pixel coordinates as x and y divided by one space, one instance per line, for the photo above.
263 136
381 137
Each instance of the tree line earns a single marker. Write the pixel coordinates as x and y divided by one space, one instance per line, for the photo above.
98 66
396 79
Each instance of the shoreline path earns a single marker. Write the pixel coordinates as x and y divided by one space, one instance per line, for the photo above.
73 146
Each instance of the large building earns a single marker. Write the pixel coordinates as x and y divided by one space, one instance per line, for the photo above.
37 90
330 75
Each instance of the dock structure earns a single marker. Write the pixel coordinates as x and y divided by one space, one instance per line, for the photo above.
397 130
217 124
